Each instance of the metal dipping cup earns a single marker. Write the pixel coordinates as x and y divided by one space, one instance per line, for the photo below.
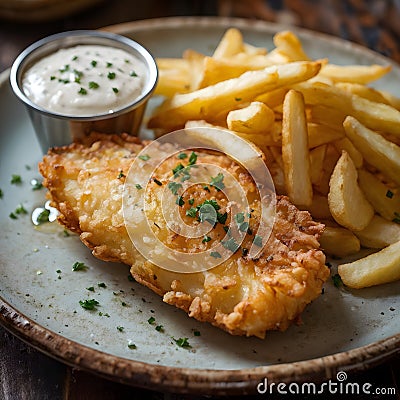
54 129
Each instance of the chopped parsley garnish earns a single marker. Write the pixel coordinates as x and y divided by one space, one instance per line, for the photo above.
257 240
337 280
182 342
159 328
93 85
180 201
120 175
74 58
111 75
79 266
120 328
1 194
20 210
131 345
196 333
36 185
389 194
78 76
230 245
65 68
238 99
65 233
16 179
217 181
242 224
123 304
138 186
115 90
239 218
206 239
206 188
43 217
102 285
192 158
208 213
213 203
191 201
52 78
93 63
133 73
109 65
215 254
177 169
151 320
82 91
174 187
89 304
222 217
182 156
156 181
90 288
244 227
192 212
144 157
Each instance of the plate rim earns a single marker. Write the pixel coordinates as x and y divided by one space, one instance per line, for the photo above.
184 380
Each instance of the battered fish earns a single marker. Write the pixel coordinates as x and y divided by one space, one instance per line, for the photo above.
242 296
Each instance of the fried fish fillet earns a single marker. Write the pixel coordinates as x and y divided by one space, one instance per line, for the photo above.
242 296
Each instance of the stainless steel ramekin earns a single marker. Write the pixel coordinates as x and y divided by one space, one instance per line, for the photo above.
53 129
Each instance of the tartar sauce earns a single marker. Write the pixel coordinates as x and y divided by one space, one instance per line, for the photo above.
85 80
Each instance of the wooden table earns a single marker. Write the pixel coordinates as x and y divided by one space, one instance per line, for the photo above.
25 373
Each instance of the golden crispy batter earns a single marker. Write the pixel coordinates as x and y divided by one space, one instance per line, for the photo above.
243 296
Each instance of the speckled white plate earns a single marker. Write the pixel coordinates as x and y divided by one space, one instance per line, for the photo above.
39 293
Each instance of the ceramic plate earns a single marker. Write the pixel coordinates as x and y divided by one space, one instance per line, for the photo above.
343 330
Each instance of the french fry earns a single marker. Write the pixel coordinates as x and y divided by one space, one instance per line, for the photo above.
347 145
385 201
364 91
372 114
171 82
322 134
273 98
375 269
347 202
218 70
289 44
195 61
339 242
327 116
295 155
331 158
319 208
379 152
317 158
207 102
362 74
254 119
230 44
379 233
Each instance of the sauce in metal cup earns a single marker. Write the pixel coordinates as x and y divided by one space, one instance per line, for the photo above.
80 81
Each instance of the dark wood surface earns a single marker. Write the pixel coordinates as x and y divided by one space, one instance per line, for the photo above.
26 373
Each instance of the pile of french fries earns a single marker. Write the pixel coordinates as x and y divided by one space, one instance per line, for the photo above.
331 141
